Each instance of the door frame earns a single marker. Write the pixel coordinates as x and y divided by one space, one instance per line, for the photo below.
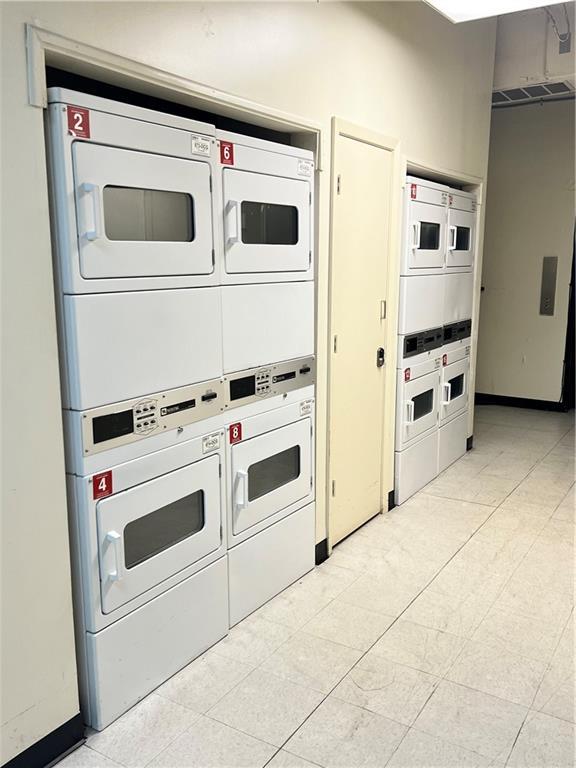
343 129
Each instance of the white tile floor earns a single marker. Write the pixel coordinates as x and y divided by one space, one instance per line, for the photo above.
439 635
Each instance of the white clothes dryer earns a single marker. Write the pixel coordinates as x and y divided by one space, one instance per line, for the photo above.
417 412
271 511
148 546
454 393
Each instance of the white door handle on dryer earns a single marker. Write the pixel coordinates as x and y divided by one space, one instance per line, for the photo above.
114 539
241 490
93 231
416 240
447 388
452 238
410 411
233 234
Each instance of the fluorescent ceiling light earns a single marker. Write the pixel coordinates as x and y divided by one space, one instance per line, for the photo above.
468 10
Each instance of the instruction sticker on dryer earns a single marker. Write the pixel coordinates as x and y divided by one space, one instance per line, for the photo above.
200 145
305 168
306 407
211 442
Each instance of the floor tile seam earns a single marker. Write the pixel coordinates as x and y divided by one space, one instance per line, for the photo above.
554 717
283 749
455 743
188 728
123 765
244 733
549 665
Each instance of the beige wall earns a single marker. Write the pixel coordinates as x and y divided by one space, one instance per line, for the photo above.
529 215
399 69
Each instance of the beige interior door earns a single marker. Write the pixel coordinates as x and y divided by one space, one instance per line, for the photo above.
363 174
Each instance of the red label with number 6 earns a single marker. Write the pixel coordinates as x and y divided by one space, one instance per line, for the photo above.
444 359
407 374
413 191
235 433
79 122
226 153
102 484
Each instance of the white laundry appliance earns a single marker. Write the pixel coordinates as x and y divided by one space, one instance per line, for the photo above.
460 255
271 511
135 249
148 543
417 411
454 393
266 203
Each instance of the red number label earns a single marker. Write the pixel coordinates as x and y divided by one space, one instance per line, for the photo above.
235 433
226 153
407 374
102 484
79 122
444 359
413 191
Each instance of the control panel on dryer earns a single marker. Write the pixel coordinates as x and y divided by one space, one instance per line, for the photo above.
253 384
114 425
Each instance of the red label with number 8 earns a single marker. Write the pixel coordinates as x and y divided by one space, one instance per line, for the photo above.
79 122
235 433
226 153
102 484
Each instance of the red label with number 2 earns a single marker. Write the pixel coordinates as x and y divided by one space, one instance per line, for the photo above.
79 122
235 433
102 484
226 153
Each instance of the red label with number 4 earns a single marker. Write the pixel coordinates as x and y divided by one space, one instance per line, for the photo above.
407 374
413 191
102 484
235 433
226 153
444 359
79 122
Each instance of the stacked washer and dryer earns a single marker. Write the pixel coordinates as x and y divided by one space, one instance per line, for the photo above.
185 294
434 332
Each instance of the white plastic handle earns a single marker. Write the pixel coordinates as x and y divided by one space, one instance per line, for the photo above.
416 240
410 411
91 191
452 238
234 215
448 393
241 490
114 539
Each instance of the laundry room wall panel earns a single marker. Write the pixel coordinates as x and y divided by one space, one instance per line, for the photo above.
529 215
397 68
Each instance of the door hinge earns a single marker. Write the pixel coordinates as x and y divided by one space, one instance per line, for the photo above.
333 487
213 257
383 309
210 182
310 197
338 184
310 258
219 470
311 483
221 532
335 343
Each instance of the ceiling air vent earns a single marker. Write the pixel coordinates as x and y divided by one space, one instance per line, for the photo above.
536 92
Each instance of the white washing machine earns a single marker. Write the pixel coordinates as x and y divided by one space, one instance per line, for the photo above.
134 229
417 412
454 393
148 544
271 511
